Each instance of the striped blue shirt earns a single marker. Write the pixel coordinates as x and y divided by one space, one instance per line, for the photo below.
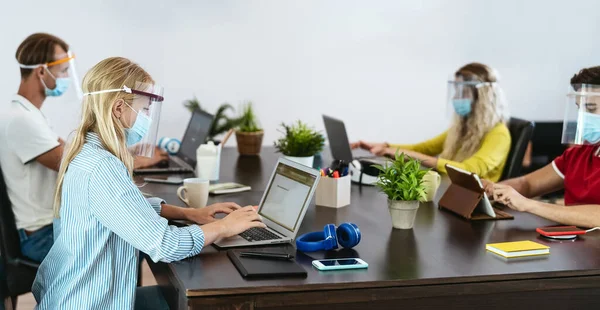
104 221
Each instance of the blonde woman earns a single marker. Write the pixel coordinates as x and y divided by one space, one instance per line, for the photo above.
102 218
478 140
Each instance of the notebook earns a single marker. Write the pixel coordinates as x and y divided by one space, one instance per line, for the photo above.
518 249
227 188
265 268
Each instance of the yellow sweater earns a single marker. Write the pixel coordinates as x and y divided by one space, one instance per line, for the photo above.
488 162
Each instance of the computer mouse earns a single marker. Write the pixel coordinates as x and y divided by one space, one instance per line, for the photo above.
163 164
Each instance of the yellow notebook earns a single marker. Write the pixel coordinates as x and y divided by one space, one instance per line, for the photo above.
518 248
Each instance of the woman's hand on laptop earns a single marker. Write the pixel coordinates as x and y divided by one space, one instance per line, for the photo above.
239 221
234 223
207 214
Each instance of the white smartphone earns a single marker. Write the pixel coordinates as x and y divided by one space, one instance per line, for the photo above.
167 180
340 264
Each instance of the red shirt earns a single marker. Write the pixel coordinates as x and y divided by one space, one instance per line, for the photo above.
580 169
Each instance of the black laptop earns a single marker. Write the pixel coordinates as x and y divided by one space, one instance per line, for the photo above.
185 160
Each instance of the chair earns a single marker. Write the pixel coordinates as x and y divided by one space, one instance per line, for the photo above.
19 272
520 133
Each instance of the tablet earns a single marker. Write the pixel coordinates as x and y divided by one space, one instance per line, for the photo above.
472 181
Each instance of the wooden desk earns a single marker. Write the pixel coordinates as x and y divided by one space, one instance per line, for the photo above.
440 263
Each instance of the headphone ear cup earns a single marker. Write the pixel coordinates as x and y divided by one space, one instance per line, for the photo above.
331 240
348 235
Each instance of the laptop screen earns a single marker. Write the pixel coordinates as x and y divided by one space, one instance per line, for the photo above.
194 136
338 139
287 196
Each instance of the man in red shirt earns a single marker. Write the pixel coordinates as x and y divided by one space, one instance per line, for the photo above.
577 170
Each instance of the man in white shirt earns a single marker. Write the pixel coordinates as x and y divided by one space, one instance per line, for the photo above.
31 152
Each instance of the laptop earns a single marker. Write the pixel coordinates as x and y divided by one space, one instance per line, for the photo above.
185 160
282 207
339 143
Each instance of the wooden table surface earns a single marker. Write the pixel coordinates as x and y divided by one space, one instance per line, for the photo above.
441 262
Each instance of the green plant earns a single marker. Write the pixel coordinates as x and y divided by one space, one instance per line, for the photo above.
248 121
193 104
221 122
402 179
299 140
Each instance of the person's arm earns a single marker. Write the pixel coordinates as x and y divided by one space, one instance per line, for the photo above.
31 139
537 183
431 147
199 216
144 162
582 215
490 155
118 204
53 157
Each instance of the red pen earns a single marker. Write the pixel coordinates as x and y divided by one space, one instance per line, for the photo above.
336 174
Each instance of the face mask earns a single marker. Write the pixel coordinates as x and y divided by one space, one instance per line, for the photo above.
139 129
62 84
591 130
462 106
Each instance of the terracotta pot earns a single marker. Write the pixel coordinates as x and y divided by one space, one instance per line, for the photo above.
249 143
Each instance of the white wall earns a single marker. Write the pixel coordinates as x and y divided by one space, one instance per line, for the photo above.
381 66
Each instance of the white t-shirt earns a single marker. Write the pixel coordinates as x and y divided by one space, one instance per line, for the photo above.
24 135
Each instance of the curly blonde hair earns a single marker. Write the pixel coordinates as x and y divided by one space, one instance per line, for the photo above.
488 110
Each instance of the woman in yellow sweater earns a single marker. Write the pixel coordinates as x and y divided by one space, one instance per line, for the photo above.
478 140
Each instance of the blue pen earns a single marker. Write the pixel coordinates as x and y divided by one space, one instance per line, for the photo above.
345 172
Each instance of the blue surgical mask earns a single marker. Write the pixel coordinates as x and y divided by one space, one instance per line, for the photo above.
140 128
462 106
62 84
591 129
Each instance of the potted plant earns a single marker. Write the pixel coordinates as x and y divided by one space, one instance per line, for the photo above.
249 135
300 143
221 121
401 180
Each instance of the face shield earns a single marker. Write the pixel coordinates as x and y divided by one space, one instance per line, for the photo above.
60 79
142 123
463 94
582 115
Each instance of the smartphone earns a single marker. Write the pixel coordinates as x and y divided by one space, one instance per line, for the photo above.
165 180
340 264
564 231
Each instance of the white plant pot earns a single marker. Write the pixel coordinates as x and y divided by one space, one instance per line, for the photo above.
403 213
307 161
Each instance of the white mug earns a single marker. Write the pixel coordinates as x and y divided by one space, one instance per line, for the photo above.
194 192
431 182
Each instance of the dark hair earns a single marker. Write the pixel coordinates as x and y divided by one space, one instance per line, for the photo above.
38 48
587 76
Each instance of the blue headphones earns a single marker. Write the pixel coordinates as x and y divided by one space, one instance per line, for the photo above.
347 235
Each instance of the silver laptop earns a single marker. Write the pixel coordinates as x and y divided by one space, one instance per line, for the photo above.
185 160
282 207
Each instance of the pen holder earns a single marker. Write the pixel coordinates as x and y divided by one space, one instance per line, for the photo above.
333 193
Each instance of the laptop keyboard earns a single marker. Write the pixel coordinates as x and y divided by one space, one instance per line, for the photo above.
258 234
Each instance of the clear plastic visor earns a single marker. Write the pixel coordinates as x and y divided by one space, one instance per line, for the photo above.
581 124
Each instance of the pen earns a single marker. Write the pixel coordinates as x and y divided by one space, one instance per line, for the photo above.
267 255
